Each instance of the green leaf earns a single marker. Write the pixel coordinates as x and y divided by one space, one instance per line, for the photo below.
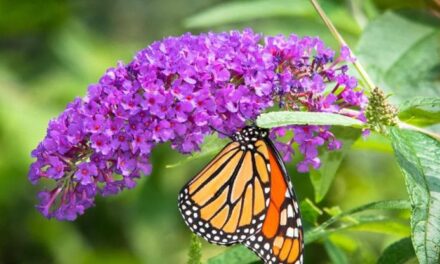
383 226
419 158
399 252
422 111
369 223
247 10
401 51
374 142
236 255
309 211
322 231
211 145
331 160
346 242
244 11
285 118
335 254
333 211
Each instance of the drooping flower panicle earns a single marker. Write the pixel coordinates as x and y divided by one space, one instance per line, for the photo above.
179 90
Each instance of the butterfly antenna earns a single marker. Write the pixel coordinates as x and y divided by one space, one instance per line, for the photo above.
220 132
253 122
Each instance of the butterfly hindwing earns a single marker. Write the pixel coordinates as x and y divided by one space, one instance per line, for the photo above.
281 236
226 202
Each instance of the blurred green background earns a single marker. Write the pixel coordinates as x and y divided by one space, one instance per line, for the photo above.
51 50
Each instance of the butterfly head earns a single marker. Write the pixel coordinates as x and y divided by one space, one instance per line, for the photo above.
250 134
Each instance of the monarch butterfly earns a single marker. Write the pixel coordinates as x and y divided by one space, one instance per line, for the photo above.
244 195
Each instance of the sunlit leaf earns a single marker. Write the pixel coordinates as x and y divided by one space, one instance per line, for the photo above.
391 227
399 252
241 11
285 118
247 10
309 211
331 160
421 111
419 158
374 142
367 224
344 241
401 52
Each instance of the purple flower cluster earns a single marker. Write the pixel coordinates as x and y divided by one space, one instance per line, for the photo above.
179 90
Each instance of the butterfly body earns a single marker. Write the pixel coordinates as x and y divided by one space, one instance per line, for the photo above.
244 195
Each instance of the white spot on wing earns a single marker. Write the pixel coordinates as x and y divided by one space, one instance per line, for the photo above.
289 211
289 232
266 246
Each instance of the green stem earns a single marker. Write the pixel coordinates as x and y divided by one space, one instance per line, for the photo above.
391 204
342 42
404 125
195 250
360 68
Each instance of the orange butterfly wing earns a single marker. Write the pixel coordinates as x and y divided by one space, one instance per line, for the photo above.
226 202
244 195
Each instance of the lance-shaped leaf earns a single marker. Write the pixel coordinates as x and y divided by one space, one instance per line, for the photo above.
419 159
309 212
421 111
244 11
285 118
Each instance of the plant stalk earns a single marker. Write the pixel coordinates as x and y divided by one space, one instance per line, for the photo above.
361 70
342 42
404 125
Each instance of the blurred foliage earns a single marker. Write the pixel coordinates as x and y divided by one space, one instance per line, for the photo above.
51 50
410 67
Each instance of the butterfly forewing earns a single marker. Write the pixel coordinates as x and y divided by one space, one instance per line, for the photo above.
226 202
